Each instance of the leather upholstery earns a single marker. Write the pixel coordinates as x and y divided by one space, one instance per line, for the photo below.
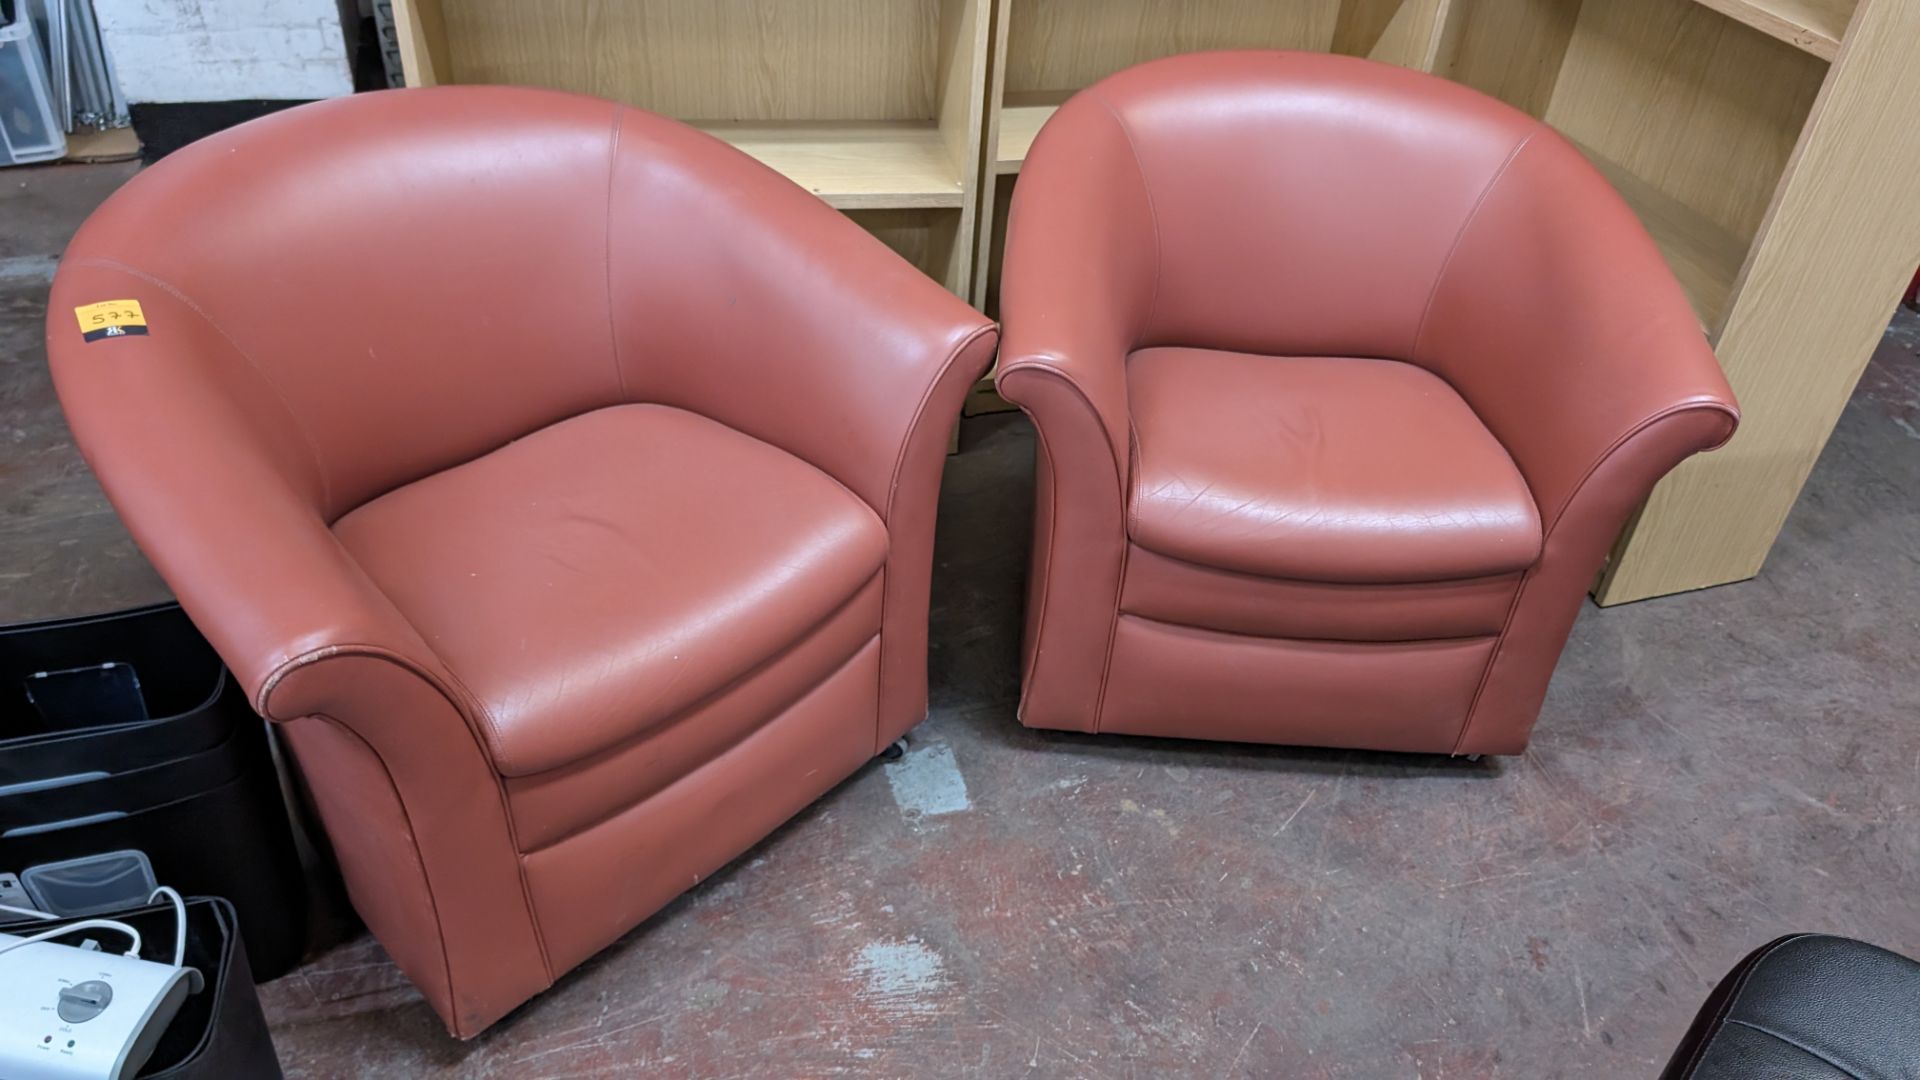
1171 591
1346 378
598 577
1318 469
562 479
1808 1007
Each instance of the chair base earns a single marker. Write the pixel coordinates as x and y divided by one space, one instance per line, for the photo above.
593 887
1184 682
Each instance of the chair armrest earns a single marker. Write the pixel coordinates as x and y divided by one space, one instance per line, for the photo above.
1560 323
738 295
1078 288
1080 275
230 514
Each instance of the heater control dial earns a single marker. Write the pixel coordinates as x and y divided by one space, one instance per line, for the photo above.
82 1002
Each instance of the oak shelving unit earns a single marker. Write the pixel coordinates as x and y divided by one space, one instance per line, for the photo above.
1761 143
1704 255
873 105
1815 26
1691 114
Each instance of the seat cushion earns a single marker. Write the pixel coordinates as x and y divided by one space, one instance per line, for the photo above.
1206 598
1320 469
601 575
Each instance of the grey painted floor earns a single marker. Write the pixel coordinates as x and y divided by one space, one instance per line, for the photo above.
1711 770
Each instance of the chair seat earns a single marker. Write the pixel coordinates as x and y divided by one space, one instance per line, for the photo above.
1320 469
602 575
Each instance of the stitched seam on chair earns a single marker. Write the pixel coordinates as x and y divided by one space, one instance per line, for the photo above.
893 491
1062 375
1796 1044
920 412
681 715
453 689
1153 214
1361 643
1546 539
879 678
472 710
1741 975
306 436
262 701
1460 237
787 704
1130 508
1182 560
413 841
613 333
1046 574
1053 548
1106 436
1119 582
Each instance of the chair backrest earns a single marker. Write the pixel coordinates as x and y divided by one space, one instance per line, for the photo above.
384 285
1304 204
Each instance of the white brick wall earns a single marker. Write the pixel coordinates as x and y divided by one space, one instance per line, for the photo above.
224 50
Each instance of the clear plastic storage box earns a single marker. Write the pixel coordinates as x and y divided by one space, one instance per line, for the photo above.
29 131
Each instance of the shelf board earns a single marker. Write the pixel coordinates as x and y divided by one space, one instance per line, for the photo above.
854 165
1018 126
1814 26
1704 255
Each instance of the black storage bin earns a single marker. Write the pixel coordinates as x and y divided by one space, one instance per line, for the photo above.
134 790
194 788
220 1032
179 672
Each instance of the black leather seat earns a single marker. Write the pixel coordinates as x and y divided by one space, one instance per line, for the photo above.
1808 1006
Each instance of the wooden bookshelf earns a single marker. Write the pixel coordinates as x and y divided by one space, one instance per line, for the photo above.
873 105
1814 26
872 165
1019 125
1698 112
1828 259
1705 256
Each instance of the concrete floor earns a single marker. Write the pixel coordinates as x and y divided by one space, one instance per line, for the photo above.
1710 771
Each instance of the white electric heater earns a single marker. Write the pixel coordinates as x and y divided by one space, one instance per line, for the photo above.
69 1012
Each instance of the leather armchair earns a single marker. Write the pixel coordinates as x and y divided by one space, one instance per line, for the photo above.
560 478
1346 379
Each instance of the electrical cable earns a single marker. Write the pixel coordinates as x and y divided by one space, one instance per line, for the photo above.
83 924
179 926
179 923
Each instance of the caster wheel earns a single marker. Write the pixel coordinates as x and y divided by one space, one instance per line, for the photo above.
895 752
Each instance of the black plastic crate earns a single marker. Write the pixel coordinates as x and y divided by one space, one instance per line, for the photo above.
193 787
